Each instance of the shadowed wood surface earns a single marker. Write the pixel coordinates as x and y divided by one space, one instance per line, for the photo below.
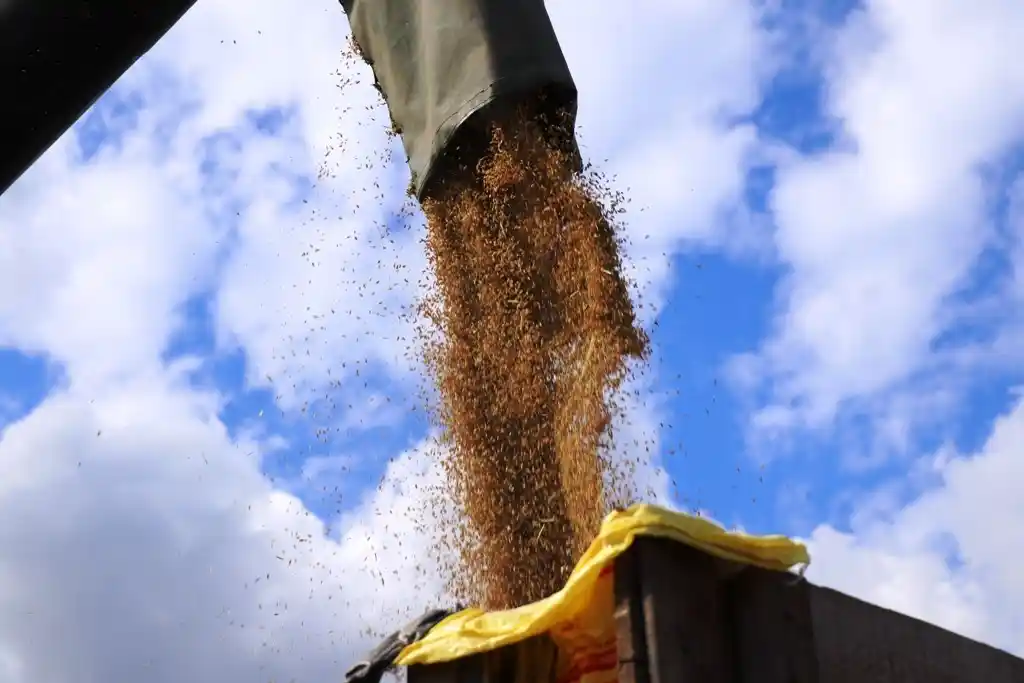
684 617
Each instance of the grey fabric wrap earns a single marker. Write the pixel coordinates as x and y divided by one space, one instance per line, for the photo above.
439 62
382 657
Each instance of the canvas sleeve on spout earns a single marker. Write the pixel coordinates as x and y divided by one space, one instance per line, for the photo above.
438 62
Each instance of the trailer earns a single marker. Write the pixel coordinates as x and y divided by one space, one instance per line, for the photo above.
683 616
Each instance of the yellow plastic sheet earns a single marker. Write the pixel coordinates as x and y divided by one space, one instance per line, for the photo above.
579 617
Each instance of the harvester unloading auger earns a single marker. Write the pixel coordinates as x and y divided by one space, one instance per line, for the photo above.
446 69
440 65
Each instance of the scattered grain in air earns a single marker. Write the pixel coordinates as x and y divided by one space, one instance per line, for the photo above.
528 333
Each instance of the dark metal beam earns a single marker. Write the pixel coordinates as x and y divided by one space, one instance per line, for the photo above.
57 57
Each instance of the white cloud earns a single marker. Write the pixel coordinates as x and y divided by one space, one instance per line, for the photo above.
951 554
309 292
140 542
640 75
96 282
879 232
658 95
1015 225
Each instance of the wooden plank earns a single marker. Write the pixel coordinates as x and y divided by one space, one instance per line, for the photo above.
533 660
773 631
465 670
861 643
499 666
631 642
684 616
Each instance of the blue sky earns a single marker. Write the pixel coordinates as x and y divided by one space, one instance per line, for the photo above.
203 347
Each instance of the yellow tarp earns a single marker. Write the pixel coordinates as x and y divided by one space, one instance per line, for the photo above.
580 616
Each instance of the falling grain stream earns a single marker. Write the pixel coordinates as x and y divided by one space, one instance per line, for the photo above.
536 333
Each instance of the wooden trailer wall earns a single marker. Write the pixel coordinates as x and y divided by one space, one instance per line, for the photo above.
685 617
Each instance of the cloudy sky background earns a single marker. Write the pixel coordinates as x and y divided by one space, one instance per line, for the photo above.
213 443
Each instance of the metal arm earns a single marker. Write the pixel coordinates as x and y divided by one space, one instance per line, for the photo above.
57 57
